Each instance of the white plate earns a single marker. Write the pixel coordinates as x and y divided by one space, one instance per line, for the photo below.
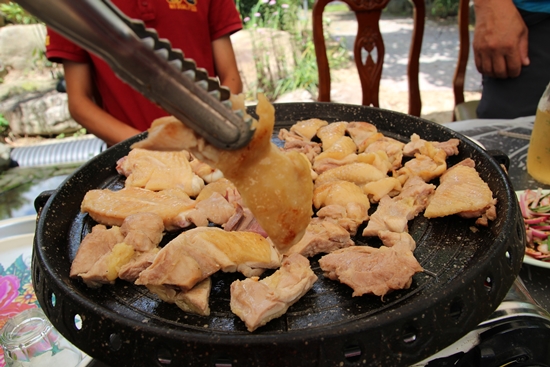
528 259
16 238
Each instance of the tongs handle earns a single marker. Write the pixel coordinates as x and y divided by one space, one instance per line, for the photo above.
150 65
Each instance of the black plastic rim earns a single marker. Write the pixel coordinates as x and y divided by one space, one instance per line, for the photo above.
468 273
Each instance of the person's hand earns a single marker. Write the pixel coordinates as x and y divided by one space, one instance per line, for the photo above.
500 39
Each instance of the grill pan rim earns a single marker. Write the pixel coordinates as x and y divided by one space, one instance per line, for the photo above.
295 335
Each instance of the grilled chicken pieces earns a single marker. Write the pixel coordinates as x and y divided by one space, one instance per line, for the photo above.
276 186
257 302
261 199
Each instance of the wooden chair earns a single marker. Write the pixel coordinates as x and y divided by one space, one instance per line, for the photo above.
369 39
463 110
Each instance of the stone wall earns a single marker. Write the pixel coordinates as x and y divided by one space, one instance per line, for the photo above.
28 99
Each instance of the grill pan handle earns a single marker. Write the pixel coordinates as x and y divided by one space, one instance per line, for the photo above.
500 157
150 65
42 199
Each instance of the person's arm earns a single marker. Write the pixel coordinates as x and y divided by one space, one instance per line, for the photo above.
225 64
500 39
83 109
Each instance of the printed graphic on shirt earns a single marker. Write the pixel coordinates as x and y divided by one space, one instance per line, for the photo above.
190 5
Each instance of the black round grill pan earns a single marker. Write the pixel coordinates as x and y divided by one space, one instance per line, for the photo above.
468 273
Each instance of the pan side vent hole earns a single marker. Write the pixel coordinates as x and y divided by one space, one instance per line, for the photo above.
53 299
164 356
115 343
352 353
508 255
409 335
223 363
455 309
78 322
488 284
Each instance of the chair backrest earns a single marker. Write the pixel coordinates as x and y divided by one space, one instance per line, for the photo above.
369 39
463 53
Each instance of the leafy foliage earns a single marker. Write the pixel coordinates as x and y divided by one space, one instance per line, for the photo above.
283 49
15 14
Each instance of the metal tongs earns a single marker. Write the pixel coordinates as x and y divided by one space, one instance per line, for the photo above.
150 65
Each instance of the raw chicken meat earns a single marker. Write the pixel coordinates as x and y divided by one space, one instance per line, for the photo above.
106 253
393 148
331 133
322 236
363 134
95 246
257 302
376 190
276 186
308 128
461 190
112 207
369 270
194 300
342 149
358 173
416 145
198 253
158 171
393 214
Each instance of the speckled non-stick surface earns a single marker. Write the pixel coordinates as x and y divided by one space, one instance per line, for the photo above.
468 273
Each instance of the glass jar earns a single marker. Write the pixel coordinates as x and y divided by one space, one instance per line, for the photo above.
538 155
29 339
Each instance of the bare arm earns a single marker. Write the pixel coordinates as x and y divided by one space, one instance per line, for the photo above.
86 112
226 64
500 39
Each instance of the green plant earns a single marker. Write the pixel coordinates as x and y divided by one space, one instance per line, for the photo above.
283 49
4 124
444 8
14 13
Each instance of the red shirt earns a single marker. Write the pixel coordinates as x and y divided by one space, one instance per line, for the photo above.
190 25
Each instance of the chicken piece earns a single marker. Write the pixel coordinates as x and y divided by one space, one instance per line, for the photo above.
322 236
139 262
461 190
158 171
194 300
363 134
257 302
349 217
450 147
358 173
215 209
198 253
310 149
104 254
430 163
112 207
340 150
276 186
392 147
376 190
369 270
142 231
98 243
327 163
204 171
393 214
308 128
331 133
401 240
340 193
378 159
420 191
243 220
220 186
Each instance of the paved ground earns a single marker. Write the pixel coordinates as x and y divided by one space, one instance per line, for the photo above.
437 64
